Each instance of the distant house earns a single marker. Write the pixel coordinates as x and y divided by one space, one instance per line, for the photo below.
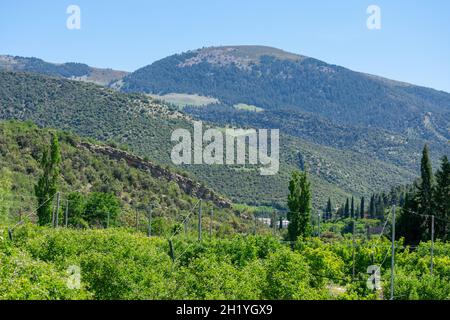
266 221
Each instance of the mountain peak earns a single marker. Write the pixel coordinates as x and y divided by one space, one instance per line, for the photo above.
241 55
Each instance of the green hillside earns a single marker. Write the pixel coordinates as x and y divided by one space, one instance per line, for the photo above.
87 171
145 127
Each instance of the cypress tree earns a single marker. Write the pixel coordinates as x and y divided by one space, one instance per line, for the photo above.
409 225
372 207
413 227
347 209
425 194
361 208
352 210
441 198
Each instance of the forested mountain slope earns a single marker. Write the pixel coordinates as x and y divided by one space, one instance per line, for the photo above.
272 79
145 125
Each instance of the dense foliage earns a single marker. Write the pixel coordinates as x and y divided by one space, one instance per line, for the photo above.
40 263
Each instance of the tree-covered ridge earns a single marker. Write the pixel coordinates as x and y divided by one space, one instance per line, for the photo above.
307 85
72 70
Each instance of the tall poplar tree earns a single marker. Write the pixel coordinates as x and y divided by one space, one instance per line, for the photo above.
47 185
299 203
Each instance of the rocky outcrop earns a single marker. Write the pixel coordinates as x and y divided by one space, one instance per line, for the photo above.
189 186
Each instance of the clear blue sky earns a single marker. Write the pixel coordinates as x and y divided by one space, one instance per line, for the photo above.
413 44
